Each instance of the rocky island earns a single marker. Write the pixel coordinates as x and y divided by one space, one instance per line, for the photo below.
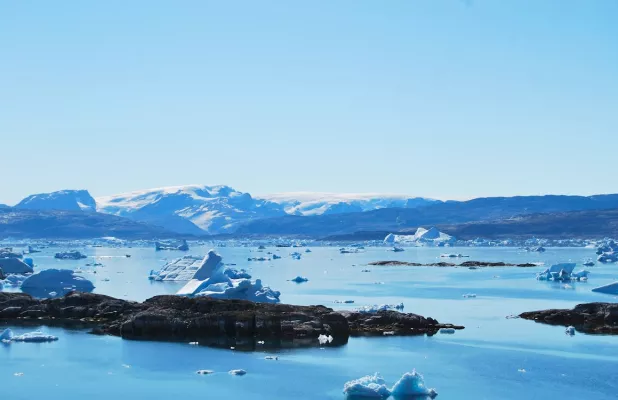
209 321
447 264
594 318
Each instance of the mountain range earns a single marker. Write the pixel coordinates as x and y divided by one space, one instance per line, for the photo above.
199 210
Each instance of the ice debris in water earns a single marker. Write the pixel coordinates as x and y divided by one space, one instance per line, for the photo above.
570 330
469 295
271 358
383 307
411 384
6 335
323 339
299 279
239 372
562 272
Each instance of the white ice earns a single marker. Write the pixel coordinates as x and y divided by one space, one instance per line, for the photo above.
323 339
412 384
370 386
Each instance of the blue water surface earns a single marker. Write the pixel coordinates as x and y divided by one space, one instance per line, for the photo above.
493 358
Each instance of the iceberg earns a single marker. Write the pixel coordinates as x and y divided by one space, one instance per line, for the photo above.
370 386
59 280
608 257
570 330
70 255
214 279
276 257
34 337
14 265
296 255
383 307
611 288
557 272
299 279
412 384
183 246
422 237
238 372
6 335
180 269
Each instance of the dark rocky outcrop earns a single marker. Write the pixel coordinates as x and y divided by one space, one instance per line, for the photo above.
447 264
599 318
209 321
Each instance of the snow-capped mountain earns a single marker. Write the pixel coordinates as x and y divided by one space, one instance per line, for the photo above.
69 200
193 209
311 203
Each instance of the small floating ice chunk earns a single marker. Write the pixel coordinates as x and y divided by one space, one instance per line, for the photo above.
34 337
368 386
205 372
18 374
194 343
570 330
469 295
271 358
388 333
323 339
523 371
299 279
412 384
238 372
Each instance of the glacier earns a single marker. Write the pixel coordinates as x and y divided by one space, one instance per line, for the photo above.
69 200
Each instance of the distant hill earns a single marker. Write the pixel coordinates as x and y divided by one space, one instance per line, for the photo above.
60 224
69 200
447 213
573 224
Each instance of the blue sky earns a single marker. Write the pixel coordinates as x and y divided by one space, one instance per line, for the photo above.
446 99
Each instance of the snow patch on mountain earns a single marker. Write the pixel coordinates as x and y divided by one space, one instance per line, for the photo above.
315 203
69 200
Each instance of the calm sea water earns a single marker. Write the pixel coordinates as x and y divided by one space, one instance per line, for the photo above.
493 358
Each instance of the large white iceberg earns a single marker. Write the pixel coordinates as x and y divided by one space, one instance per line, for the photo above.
410 385
60 280
422 236
214 279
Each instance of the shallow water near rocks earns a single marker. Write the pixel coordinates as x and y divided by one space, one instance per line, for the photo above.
493 358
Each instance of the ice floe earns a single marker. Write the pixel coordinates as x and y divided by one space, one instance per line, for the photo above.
70 255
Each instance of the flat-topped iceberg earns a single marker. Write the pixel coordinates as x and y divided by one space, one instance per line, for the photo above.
182 246
180 269
422 237
70 255
383 307
410 385
59 280
214 279
8 336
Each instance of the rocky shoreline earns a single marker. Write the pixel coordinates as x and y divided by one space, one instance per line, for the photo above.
467 264
219 323
593 318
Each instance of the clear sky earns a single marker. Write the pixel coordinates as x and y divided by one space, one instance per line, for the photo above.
437 98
